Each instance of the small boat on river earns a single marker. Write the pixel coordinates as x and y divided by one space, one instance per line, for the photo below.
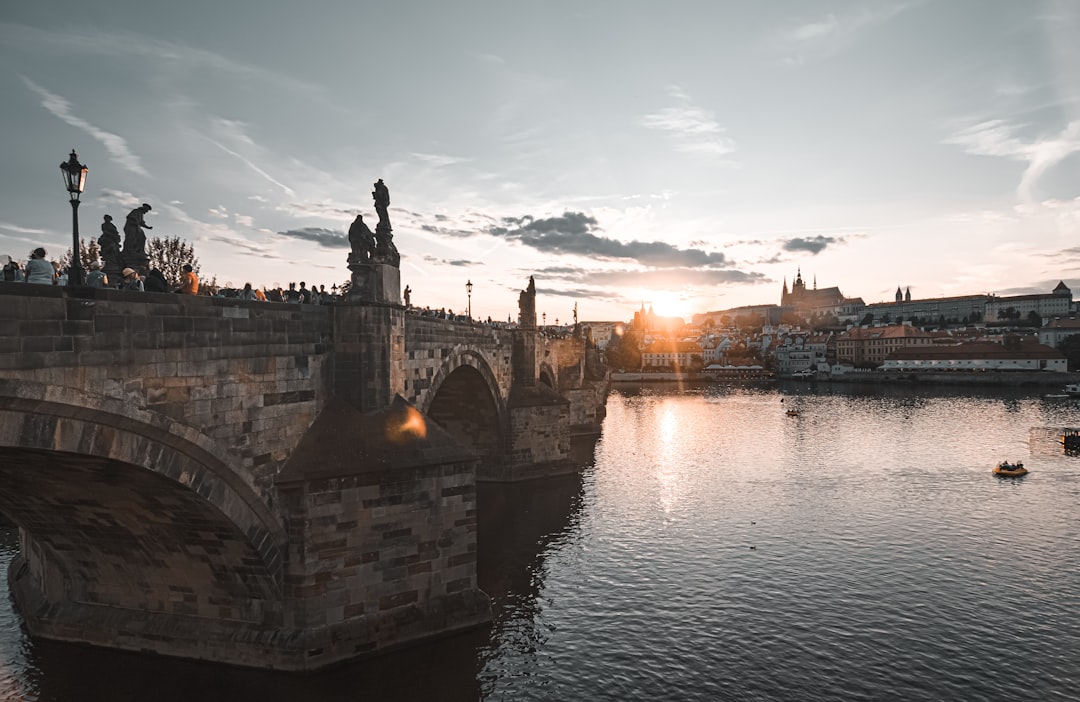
1010 470
1072 389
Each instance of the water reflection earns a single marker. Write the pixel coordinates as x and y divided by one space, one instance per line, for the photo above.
714 548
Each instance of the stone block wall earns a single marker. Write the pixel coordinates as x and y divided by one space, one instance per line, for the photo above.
251 375
382 558
369 348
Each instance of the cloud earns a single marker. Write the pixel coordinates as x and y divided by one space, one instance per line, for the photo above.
323 237
21 230
130 44
824 36
244 220
438 160
257 198
459 262
324 209
120 197
572 234
813 244
246 246
115 145
252 166
661 279
691 128
998 138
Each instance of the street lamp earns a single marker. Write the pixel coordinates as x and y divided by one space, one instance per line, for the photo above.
468 290
75 181
544 316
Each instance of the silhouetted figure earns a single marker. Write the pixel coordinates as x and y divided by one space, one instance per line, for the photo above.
408 297
527 306
134 238
385 251
155 281
381 194
109 241
362 241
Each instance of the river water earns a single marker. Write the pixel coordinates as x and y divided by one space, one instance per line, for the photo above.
714 548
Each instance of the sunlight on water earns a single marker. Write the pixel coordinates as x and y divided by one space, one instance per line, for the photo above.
716 548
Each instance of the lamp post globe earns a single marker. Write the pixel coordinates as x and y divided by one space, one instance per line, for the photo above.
468 291
74 174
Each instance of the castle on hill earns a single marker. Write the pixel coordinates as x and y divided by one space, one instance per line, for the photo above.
811 302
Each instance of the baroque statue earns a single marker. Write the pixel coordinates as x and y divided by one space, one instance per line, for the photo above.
134 238
362 241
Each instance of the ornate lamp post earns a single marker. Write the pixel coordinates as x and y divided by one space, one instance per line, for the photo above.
75 181
468 291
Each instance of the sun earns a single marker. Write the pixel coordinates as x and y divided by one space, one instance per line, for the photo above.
668 303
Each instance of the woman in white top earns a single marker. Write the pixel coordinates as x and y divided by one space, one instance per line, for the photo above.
38 270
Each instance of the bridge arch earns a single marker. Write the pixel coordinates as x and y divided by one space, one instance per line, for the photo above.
123 507
465 401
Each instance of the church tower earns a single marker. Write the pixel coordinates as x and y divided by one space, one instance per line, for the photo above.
899 294
907 295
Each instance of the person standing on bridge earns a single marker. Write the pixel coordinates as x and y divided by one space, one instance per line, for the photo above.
38 270
189 282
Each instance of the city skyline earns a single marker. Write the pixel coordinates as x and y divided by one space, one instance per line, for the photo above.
690 164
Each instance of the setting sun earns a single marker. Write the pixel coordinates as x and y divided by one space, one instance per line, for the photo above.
667 303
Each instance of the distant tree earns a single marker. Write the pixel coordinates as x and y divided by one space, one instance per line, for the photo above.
867 319
89 251
1070 348
169 255
1034 319
1009 313
622 350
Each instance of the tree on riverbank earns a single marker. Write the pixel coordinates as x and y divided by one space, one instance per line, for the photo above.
1070 348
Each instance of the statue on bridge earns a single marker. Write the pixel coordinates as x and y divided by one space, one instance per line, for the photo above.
109 242
135 240
381 195
374 260
362 242
385 251
527 306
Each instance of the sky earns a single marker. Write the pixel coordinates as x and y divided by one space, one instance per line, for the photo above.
690 156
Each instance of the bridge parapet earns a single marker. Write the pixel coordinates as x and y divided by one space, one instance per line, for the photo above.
250 375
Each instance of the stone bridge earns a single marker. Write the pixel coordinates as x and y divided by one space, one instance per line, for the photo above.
272 485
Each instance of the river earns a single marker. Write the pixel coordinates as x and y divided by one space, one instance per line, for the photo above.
714 548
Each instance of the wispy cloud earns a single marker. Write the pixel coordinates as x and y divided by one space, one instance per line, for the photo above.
691 128
323 237
438 160
324 209
128 44
252 166
21 230
824 36
115 145
999 138
120 197
459 262
657 279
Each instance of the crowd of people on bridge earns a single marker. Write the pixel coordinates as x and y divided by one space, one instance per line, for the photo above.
38 270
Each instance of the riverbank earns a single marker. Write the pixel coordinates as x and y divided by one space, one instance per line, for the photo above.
930 378
1004 378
